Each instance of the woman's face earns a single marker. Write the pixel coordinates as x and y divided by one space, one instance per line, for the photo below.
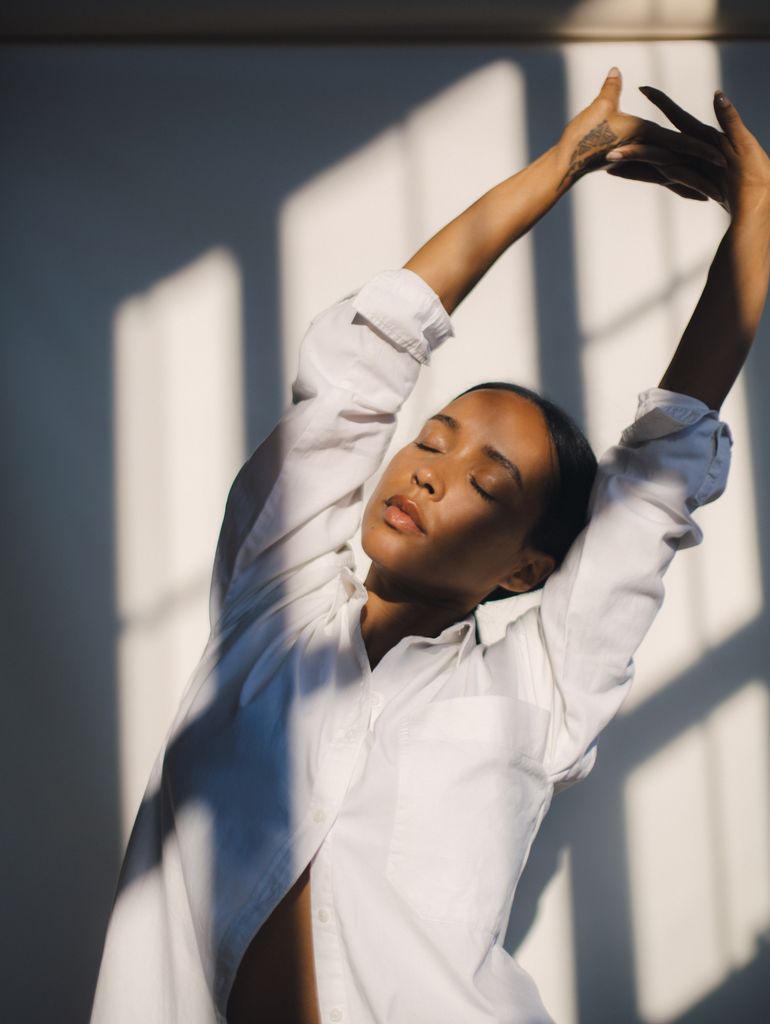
451 513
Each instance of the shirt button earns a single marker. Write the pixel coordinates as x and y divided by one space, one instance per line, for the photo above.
351 734
319 815
323 915
335 1014
376 699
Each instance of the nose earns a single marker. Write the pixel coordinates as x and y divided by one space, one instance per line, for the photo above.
427 477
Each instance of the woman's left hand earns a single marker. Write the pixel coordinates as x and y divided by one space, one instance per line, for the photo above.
602 128
743 183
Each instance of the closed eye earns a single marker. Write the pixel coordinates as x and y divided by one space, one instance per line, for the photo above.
483 493
474 484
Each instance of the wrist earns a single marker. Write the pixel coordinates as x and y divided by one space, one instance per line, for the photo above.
529 194
752 209
555 163
580 151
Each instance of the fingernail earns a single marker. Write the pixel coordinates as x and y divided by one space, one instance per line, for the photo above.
615 154
613 73
722 100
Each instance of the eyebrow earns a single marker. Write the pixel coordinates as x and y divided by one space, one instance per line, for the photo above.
488 450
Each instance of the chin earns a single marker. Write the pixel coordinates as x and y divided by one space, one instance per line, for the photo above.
389 550
379 541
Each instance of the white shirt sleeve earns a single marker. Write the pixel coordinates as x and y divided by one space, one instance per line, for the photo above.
576 649
299 494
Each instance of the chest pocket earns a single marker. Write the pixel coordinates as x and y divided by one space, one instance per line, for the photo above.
470 795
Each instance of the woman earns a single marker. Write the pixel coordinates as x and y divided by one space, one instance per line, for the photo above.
336 825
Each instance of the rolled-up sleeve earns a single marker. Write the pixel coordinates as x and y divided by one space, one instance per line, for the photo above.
299 494
578 646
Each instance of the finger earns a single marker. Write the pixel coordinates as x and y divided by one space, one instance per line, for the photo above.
636 172
663 158
680 174
638 151
613 83
683 144
679 117
729 118
648 172
687 193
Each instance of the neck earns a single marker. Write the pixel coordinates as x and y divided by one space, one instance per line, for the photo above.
391 613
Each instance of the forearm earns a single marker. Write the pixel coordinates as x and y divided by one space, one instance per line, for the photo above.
459 255
718 337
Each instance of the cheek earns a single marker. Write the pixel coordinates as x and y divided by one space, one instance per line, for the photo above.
472 539
485 536
369 517
372 525
391 480
482 542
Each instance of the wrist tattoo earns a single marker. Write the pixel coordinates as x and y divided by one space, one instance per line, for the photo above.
589 153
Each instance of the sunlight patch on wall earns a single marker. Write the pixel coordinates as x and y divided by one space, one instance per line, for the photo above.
178 443
374 209
698 820
715 590
337 230
728 569
739 747
600 17
547 952
641 264
639 246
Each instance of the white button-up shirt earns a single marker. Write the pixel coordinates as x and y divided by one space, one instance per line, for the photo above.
414 790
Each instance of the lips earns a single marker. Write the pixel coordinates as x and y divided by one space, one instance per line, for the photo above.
405 514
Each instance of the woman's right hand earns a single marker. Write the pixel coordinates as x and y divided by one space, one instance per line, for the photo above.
741 186
602 127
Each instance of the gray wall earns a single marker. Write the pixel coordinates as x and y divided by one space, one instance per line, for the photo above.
119 166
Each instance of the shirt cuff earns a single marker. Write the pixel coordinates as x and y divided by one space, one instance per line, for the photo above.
407 310
661 412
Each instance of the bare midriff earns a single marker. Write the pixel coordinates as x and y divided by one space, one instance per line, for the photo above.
276 977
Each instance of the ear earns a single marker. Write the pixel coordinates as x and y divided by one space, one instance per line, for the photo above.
534 567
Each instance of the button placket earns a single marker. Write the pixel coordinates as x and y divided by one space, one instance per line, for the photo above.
326 947
375 708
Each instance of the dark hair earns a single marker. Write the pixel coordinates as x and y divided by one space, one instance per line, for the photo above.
566 508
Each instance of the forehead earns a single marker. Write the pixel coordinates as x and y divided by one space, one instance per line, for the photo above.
507 421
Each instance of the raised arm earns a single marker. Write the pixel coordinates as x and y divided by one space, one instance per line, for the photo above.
298 496
457 257
721 330
575 652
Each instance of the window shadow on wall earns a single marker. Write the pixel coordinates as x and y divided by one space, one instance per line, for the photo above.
592 818
127 164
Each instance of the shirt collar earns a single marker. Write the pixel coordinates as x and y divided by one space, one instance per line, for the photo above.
459 629
455 632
